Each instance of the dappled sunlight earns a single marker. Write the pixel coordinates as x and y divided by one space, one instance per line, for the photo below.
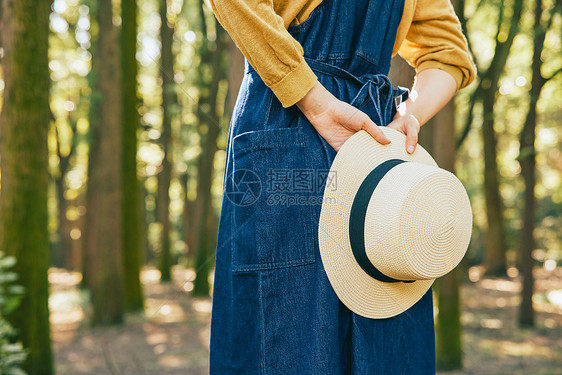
202 306
205 337
164 311
548 292
150 275
475 273
531 349
65 304
173 333
501 285
494 343
157 338
172 336
121 146
184 277
555 297
173 361
512 272
499 294
59 277
66 307
491 323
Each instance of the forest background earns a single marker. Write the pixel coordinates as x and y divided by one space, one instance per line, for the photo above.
113 130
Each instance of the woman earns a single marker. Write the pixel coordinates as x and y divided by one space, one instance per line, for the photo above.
316 74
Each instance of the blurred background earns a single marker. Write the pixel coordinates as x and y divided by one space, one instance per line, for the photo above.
113 131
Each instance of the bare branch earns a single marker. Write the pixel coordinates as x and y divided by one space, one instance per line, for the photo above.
546 79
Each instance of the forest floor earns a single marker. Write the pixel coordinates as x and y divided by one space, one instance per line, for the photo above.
172 336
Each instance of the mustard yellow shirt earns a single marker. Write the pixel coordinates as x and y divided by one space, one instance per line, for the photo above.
429 36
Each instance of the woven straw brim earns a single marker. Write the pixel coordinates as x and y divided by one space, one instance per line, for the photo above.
362 294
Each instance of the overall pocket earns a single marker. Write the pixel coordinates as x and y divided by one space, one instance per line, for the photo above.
272 221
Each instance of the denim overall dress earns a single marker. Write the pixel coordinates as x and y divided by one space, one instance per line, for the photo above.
274 310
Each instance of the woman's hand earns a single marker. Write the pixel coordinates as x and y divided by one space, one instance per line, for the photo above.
335 120
433 88
409 125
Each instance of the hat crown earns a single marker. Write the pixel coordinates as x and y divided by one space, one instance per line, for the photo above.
413 223
418 222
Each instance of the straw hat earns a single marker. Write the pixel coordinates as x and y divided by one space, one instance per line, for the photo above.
383 248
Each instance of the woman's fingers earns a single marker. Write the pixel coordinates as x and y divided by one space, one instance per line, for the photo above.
357 120
336 120
412 130
411 141
409 126
375 131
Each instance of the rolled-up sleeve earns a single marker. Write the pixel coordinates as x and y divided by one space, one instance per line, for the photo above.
262 37
434 39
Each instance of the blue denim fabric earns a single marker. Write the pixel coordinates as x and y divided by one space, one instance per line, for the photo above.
274 310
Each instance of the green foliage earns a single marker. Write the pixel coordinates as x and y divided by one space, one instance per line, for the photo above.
12 355
511 106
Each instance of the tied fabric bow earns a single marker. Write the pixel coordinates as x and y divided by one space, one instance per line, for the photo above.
376 91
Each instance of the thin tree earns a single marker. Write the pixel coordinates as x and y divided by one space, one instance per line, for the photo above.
448 328
189 223
24 125
438 138
527 160
169 99
235 76
63 256
65 251
211 72
485 93
103 216
132 219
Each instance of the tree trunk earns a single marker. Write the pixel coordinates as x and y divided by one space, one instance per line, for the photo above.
164 178
189 215
149 218
448 328
24 127
205 239
485 93
103 226
67 257
209 123
235 74
78 242
438 138
65 253
486 90
495 236
527 160
132 219
192 210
